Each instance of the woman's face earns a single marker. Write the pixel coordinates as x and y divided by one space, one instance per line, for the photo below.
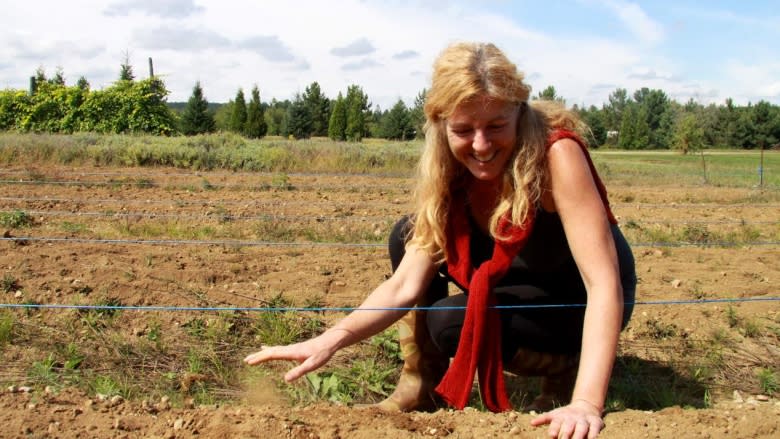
481 133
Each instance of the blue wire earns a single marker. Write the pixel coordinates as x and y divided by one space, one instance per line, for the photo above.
350 309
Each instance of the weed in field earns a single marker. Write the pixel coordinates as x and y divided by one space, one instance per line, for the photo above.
6 328
74 228
106 386
9 284
731 317
697 234
328 386
281 181
43 372
101 315
768 381
16 220
659 330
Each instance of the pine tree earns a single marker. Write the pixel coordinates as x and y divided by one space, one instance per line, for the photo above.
417 115
126 70
338 120
299 119
357 109
255 120
396 123
197 119
318 106
238 116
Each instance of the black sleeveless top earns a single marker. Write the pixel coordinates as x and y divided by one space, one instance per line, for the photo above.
546 260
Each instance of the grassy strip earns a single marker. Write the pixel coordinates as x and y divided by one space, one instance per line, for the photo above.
232 152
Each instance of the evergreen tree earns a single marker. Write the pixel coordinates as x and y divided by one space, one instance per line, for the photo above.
222 116
549 94
337 128
255 119
58 78
197 119
275 118
597 132
396 123
613 110
659 120
417 115
82 83
299 122
126 70
357 113
238 116
319 109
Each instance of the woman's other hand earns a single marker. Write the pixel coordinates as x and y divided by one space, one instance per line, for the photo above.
578 420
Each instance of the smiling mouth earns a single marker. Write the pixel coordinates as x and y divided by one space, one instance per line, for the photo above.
484 158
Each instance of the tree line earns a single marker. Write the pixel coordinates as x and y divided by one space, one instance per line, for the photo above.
646 119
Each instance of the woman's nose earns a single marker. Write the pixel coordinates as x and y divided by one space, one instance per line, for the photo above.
481 141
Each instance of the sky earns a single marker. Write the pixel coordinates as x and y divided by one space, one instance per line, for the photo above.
703 50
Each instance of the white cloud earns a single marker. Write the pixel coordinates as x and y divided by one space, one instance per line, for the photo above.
358 47
636 20
160 8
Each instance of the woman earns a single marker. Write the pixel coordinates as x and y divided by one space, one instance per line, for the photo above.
509 209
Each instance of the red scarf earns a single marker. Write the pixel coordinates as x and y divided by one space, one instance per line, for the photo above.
479 348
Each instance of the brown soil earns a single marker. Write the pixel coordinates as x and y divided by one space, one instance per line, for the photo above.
234 212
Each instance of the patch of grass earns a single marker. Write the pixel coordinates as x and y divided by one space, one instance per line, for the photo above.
659 330
9 284
16 219
7 322
281 327
43 372
100 317
107 386
768 381
70 227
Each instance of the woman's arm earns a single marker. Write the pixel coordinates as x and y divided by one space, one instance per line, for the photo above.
589 236
401 290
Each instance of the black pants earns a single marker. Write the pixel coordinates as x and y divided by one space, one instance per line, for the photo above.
544 324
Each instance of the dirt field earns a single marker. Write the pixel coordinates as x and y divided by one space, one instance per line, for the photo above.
172 238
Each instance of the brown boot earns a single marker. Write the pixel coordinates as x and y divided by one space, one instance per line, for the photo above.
558 372
423 367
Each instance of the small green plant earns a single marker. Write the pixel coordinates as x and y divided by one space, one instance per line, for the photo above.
6 328
16 220
43 372
697 234
328 386
768 380
106 386
731 317
281 182
750 329
9 284
659 330
101 315
207 186
70 227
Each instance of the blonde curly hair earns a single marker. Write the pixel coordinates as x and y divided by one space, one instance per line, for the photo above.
464 71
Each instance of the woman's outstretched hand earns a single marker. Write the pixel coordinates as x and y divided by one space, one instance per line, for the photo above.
578 420
311 354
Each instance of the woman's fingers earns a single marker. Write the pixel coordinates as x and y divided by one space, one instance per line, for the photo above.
271 353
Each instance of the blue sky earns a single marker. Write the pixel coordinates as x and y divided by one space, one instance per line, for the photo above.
708 51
